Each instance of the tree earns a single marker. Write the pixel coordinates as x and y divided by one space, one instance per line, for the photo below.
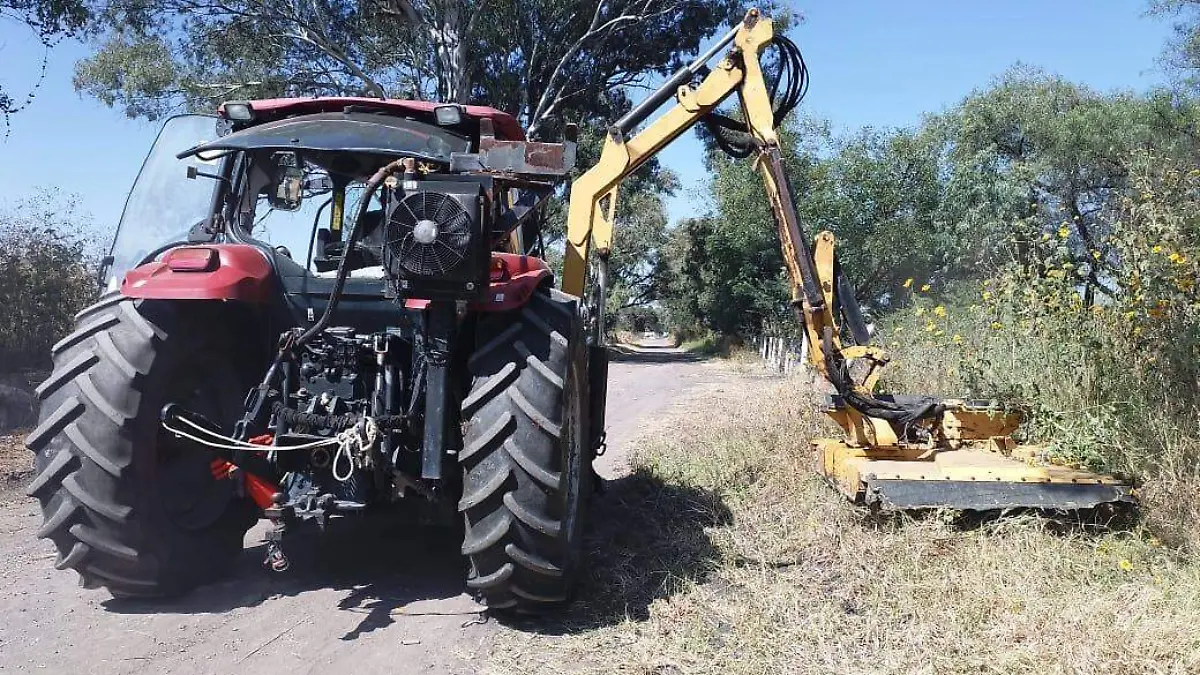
725 269
1037 151
44 277
540 60
878 192
1182 53
50 20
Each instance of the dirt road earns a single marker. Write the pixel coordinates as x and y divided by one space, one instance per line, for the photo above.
369 597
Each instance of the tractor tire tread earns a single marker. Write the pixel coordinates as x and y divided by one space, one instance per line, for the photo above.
94 416
513 480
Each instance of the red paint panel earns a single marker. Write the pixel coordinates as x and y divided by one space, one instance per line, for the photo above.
242 273
514 279
507 127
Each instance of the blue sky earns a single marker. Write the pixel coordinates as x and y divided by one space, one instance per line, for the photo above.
872 62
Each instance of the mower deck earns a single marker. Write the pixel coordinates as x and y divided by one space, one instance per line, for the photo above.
971 478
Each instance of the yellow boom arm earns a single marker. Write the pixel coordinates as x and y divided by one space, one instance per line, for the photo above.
898 452
594 194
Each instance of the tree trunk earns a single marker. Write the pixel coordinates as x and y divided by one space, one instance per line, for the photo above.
454 82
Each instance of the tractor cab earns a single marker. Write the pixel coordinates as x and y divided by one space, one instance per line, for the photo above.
281 173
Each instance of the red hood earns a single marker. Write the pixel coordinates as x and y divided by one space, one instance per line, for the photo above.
506 125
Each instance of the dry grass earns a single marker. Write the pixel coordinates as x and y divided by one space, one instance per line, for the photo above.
724 554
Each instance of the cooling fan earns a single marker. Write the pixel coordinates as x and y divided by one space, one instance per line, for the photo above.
429 234
433 245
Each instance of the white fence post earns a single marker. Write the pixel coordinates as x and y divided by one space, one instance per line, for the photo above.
783 354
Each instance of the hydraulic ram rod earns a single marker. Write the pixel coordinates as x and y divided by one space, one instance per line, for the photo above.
684 75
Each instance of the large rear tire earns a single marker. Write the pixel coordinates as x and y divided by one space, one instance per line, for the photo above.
526 479
128 506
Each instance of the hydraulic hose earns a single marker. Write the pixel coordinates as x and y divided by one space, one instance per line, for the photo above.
339 284
786 86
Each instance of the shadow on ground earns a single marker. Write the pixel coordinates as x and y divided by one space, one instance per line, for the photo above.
647 538
382 562
651 355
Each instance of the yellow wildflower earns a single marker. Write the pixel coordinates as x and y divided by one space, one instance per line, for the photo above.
908 282
940 310
930 327
996 325
1095 255
1125 564
925 288
1046 237
1063 232
1156 249
957 339
1177 258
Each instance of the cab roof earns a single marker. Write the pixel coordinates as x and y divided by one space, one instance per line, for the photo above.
506 126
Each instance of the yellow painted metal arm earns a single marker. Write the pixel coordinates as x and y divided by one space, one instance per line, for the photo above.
590 218
589 222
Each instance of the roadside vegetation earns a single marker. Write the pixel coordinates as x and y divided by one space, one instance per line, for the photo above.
724 553
46 275
1110 383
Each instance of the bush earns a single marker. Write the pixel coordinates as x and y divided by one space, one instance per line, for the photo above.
44 279
1101 356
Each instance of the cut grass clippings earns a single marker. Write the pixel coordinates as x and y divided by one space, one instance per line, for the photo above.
723 553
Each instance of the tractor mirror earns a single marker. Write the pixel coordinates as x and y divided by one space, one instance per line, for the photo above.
287 190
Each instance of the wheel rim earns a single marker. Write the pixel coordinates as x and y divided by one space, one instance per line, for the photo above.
189 495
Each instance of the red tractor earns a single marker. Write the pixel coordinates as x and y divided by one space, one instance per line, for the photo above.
372 272
412 352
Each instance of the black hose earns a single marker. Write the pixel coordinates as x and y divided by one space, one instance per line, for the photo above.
790 76
296 418
339 284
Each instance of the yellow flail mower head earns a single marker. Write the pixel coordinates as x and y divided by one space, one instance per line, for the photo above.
902 453
960 456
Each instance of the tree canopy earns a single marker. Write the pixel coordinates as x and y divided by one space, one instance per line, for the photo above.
957 197
537 59
50 21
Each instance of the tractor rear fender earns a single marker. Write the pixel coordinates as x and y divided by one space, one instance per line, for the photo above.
208 272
